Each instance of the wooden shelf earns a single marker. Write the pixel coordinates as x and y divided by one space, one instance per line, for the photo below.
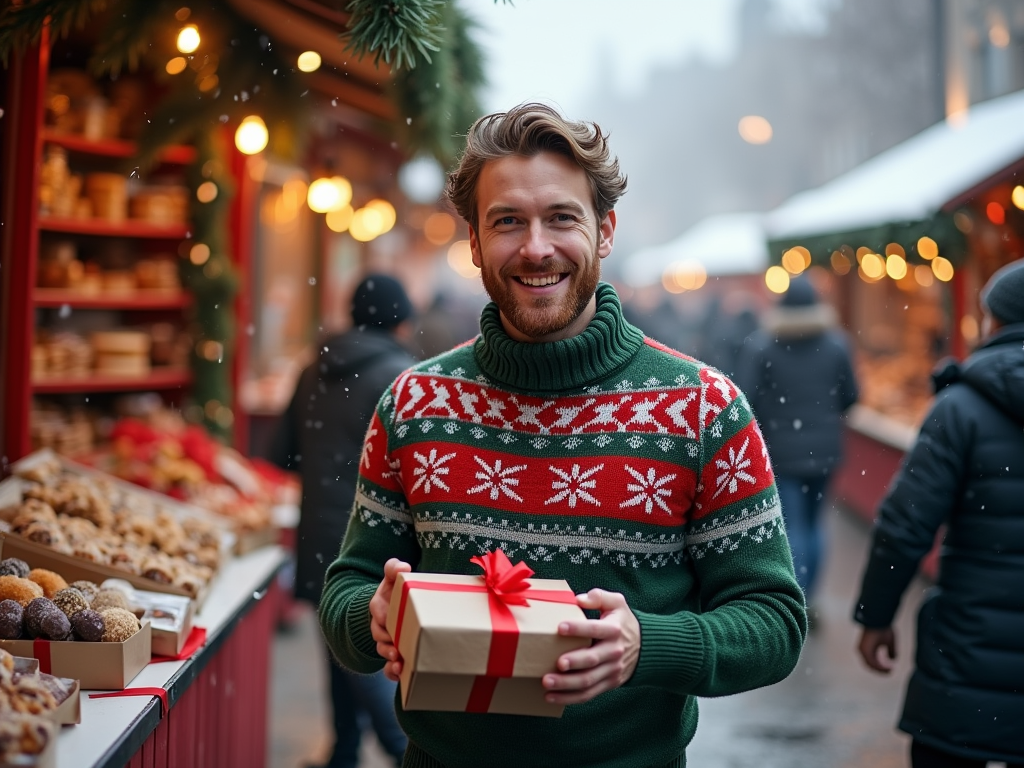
158 378
126 228
175 155
140 299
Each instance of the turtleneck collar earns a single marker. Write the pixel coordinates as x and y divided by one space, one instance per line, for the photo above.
604 346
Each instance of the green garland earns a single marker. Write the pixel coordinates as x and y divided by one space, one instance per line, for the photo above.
437 71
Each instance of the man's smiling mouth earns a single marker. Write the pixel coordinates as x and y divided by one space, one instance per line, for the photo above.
540 280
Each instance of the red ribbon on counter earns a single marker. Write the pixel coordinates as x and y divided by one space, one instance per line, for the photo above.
41 650
160 693
196 640
505 585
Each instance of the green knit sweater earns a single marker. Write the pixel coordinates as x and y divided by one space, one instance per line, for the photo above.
606 460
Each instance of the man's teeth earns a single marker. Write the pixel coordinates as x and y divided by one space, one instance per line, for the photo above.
538 281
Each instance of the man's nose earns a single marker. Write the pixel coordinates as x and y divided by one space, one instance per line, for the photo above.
538 243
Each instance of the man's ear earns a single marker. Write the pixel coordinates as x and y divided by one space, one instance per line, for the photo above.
606 235
474 247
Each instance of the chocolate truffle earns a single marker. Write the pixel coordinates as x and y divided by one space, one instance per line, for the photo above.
89 589
35 612
12 566
51 582
70 601
88 625
11 620
54 625
109 598
120 625
22 591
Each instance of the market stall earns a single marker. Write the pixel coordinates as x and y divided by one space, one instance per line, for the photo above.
903 244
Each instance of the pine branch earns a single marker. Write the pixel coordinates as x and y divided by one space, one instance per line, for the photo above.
128 35
22 25
404 29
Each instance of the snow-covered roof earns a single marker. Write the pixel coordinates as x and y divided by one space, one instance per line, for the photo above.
727 244
914 179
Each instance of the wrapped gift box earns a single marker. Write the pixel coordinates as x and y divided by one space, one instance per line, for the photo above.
462 653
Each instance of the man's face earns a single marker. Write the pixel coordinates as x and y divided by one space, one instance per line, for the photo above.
538 244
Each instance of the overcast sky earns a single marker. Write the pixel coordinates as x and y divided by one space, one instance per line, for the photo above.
562 51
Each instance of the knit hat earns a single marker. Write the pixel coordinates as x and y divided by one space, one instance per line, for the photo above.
1003 294
799 294
380 301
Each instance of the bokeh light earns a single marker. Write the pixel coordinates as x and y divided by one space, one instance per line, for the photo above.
1017 197
340 219
996 213
188 38
439 228
460 259
777 279
176 65
896 267
755 129
309 61
840 263
927 248
942 268
251 136
872 266
386 211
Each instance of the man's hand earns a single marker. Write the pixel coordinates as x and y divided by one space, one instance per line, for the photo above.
874 640
608 663
379 617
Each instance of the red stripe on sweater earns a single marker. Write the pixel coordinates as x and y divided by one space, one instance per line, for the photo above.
618 487
677 412
668 350
739 469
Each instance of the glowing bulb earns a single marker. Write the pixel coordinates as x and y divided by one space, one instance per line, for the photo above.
309 61
942 268
251 136
777 279
366 224
188 38
439 228
927 248
176 65
387 213
896 267
754 129
340 219
872 266
1017 196
460 259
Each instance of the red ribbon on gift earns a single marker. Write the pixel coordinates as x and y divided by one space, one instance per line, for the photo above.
505 585
196 640
41 650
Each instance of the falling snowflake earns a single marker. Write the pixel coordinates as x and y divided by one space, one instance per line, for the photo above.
574 485
430 469
733 470
648 490
496 480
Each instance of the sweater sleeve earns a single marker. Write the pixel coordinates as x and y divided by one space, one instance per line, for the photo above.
380 528
752 622
924 495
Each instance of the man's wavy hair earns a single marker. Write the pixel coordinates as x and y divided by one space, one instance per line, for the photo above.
528 130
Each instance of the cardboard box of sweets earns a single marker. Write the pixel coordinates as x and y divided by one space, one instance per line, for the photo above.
68 711
97 666
444 628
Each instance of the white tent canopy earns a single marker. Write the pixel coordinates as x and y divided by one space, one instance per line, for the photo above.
728 244
913 180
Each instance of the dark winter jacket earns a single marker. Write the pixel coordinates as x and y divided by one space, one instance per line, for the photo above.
966 470
798 375
321 436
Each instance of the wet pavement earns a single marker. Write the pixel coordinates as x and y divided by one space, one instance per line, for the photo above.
830 713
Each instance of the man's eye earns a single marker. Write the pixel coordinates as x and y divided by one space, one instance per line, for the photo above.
505 221
564 217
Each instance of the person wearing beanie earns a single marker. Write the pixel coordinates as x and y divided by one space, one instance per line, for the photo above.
565 438
964 705
320 436
798 373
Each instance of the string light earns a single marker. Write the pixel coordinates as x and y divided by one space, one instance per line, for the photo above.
309 61
188 38
251 136
329 194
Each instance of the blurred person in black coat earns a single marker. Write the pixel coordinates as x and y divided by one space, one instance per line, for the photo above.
798 375
965 701
321 436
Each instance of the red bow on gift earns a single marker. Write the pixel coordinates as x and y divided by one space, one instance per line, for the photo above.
505 581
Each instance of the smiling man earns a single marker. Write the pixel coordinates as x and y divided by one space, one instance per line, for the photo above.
595 455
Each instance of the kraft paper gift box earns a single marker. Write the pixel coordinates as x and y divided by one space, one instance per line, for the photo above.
466 648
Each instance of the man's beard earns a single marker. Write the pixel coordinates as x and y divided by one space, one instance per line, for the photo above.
544 315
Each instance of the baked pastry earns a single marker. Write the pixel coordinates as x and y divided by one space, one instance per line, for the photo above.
51 582
21 591
120 624
70 601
